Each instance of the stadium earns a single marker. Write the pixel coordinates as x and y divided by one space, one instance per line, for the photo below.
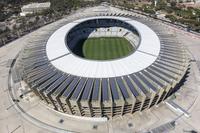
103 66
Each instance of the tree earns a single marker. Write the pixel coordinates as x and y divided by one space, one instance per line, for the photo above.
173 4
172 18
64 5
161 5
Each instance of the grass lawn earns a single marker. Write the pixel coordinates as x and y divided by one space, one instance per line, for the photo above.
103 48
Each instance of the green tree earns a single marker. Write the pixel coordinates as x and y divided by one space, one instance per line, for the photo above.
172 18
161 4
173 4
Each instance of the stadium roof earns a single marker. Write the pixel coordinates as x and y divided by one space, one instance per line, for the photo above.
62 58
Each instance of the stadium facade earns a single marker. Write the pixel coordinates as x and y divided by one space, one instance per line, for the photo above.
74 85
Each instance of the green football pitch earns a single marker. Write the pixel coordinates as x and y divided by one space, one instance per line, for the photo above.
103 48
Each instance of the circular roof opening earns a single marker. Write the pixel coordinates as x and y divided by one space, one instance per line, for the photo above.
61 43
102 39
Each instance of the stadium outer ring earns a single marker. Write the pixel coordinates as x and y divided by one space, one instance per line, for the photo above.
63 59
97 97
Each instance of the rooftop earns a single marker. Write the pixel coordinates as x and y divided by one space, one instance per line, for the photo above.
37 5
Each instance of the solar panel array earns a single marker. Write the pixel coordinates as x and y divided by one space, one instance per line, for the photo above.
97 97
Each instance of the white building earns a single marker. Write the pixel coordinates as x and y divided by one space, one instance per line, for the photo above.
34 7
197 1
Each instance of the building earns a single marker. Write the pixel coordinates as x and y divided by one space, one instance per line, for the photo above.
2 26
34 7
77 86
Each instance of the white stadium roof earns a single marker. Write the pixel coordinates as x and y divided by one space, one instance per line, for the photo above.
62 58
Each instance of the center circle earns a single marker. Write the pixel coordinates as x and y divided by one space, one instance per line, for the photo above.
102 39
